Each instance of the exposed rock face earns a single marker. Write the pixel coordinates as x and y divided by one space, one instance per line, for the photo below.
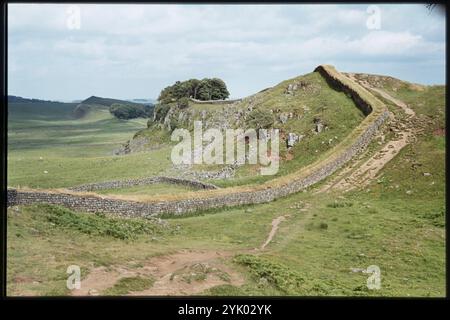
299 86
167 120
134 145
319 127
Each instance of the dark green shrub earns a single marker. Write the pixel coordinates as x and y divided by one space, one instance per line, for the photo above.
277 274
337 204
323 225
98 224
129 111
129 284
183 103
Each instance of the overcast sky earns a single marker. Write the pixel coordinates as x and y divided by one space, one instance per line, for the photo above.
133 51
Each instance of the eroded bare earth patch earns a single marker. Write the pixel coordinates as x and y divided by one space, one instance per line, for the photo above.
184 273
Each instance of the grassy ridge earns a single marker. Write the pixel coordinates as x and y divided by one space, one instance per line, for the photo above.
65 143
396 223
403 233
378 108
334 108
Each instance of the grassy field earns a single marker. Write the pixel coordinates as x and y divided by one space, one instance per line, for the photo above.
49 148
402 234
397 222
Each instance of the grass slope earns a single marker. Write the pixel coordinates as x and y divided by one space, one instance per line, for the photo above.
47 138
396 223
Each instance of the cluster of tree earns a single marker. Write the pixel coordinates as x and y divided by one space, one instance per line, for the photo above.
131 111
206 89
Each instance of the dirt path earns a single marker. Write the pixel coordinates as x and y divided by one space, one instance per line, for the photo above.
274 229
296 227
368 170
186 272
409 112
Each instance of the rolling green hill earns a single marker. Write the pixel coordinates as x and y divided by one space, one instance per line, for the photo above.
93 100
52 128
17 99
98 103
294 107
323 243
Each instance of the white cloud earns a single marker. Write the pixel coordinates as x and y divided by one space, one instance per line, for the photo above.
153 45
387 43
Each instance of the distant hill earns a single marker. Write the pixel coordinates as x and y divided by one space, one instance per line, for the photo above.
106 101
93 100
17 99
122 109
24 108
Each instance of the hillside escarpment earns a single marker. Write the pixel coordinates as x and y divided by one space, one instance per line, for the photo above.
304 109
304 177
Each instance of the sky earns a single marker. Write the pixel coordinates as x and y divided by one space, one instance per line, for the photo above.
67 52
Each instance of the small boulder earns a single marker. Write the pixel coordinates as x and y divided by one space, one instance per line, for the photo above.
319 127
292 139
283 118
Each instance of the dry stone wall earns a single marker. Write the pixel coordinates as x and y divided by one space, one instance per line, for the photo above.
376 114
215 101
144 181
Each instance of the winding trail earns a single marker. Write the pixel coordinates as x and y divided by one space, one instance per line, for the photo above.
170 271
275 223
361 174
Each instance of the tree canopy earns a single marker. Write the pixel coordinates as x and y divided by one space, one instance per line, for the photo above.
205 89
131 111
